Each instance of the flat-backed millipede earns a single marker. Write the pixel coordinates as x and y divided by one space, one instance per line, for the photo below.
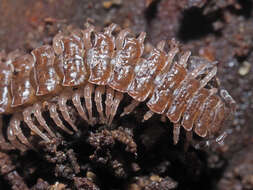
82 66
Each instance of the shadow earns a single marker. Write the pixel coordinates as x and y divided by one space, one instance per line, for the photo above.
195 25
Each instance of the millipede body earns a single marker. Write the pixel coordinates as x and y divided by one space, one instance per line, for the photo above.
94 70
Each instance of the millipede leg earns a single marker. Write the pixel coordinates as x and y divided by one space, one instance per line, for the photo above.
141 37
121 37
87 37
184 59
15 126
116 101
100 90
12 138
62 102
163 118
55 116
3 144
161 45
108 102
76 99
220 139
228 99
147 115
130 108
208 77
28 120
171 54
110 29
188 140
198 70
41 120
88 90
176 132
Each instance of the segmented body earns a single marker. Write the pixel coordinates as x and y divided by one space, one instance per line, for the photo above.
83 65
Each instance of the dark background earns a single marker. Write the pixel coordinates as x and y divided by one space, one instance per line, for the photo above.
220 30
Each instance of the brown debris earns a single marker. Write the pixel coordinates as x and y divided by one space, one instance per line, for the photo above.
104 142
108 138
40 185
239 175
58 186
26 24
7 169
153 182
73 160
125 138
85 184
108 4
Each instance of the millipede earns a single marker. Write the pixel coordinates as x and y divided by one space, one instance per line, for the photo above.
95 70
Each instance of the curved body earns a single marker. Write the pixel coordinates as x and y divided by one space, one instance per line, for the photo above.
82 66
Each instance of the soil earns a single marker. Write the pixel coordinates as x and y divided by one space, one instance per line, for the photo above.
137 156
